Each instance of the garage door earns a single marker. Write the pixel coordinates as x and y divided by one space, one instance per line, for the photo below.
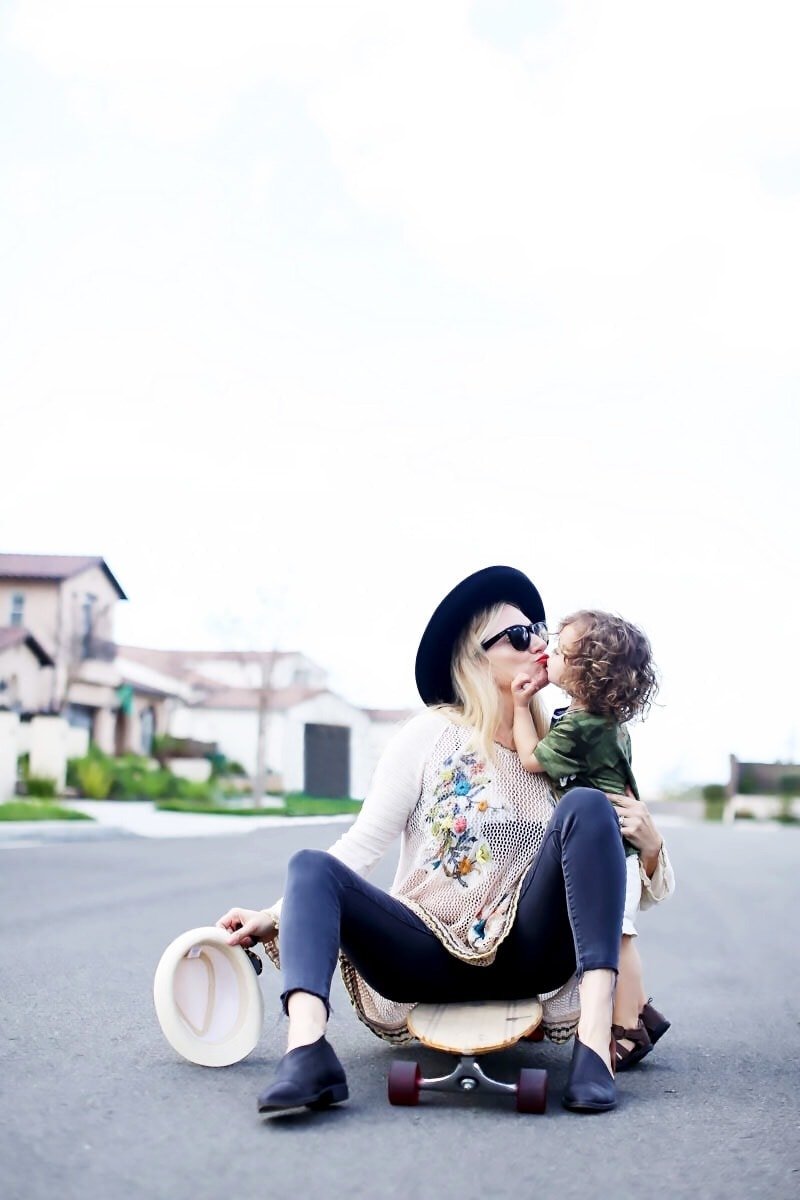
327 760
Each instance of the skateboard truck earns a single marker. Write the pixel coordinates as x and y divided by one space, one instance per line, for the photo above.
469 1030
406 1082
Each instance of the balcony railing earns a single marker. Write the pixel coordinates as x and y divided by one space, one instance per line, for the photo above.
97 649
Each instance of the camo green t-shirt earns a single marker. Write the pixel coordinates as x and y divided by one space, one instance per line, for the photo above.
585 750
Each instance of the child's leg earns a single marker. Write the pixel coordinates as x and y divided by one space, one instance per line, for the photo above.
629 998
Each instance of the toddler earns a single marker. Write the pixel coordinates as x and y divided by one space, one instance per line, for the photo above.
605 666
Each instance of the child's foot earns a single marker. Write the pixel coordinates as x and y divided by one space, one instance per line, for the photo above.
631 1045
654 1022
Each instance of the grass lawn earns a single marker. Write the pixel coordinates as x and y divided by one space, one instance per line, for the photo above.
296 806
38 810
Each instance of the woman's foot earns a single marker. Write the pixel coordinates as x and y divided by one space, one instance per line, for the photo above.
590 1087
594 1024
309 1076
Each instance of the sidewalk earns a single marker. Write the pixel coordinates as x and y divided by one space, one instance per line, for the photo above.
139 818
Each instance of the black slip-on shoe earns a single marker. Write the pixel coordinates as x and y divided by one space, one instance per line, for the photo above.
590 1087
307 1077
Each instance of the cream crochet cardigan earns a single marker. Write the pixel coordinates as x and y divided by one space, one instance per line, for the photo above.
469 830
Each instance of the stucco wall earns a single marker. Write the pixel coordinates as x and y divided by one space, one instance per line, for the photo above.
28 685
73 592
236 731
326 709
52 613
40 613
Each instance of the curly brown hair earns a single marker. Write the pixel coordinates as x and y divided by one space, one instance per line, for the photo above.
610 669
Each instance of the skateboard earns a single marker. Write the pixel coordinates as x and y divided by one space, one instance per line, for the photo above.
470 1030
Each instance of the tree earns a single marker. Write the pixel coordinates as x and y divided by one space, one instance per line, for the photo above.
248 631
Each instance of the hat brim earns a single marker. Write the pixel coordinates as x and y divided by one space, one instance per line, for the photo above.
208 1001
492 585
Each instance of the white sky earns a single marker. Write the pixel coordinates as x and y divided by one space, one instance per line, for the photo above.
309 310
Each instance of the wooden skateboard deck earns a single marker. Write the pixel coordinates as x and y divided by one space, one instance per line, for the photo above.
474 1028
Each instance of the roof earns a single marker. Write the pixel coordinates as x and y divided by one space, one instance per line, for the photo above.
278 700
390 714
186 665
15 635
54 567
184 660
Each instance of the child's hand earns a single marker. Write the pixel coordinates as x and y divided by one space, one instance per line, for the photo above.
522 689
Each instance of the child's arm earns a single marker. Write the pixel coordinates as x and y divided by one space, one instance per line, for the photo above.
526 739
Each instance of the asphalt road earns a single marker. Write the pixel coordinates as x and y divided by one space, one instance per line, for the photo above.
96 1104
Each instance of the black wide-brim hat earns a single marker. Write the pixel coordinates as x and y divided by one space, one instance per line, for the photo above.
492 585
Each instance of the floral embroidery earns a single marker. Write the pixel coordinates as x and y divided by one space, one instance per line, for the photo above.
488 923
456 817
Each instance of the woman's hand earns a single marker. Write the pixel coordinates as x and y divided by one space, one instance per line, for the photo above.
639 829
247 926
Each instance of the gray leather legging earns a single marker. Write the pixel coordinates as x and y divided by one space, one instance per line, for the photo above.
568 919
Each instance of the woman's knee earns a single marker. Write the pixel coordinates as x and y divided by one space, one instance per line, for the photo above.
312 864
586 804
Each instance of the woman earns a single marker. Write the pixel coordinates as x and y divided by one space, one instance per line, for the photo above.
499 894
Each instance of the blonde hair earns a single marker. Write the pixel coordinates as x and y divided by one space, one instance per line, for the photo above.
477 702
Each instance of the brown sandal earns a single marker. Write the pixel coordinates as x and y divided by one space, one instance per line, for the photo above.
654 1022
641 1045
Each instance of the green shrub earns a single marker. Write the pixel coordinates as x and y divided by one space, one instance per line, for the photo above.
225 768
135 779
715 796
93 777
44 789
786 815
75 766
189 789
128 777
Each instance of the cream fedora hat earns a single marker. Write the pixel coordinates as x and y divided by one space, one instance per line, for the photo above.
208 1000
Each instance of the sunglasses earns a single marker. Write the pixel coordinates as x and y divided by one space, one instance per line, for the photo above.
520 635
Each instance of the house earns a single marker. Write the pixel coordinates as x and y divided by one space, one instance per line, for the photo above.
58 657
315 741
23 681
762 790
57 614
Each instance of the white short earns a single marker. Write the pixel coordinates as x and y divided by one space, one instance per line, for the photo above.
633 894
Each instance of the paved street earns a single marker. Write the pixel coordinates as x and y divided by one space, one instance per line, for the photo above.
96 1104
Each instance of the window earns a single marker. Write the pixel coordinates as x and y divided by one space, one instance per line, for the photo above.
17 608
87 625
